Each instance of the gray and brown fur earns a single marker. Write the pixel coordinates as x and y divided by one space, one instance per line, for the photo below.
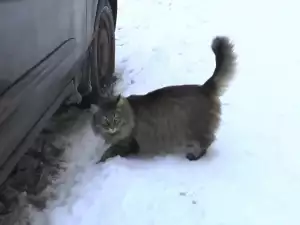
183 117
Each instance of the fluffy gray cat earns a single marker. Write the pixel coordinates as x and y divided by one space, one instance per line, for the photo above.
183 117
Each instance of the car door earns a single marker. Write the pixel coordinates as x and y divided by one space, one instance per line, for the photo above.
39 42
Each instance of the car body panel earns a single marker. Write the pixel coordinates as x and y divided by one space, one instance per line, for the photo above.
30 30
24 102
90 18
41 44
27 140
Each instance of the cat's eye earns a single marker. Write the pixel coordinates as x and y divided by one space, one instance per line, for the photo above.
105 121
115 119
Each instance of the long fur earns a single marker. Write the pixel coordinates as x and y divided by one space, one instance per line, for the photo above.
183 117
225 66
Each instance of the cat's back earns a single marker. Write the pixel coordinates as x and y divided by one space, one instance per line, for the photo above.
170 115
162 94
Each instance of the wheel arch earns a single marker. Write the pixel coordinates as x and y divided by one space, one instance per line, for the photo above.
114 7
83 86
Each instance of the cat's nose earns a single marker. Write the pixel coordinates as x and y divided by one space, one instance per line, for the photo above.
112 130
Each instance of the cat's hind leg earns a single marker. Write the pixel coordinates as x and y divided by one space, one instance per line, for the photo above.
200 149
192 156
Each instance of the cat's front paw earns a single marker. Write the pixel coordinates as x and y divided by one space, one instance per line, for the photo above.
105 156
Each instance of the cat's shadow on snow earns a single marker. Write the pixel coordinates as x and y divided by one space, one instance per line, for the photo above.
211 154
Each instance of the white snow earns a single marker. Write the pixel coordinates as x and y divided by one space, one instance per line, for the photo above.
251 176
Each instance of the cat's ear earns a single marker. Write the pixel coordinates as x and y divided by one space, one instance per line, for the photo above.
120 100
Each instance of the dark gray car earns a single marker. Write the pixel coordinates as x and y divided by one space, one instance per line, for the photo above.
48 49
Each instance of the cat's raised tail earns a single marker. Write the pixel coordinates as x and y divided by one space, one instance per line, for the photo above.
225 66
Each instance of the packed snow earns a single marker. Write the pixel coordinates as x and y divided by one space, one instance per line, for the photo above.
251 174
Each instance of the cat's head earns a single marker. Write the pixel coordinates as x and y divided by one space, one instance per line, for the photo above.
113 119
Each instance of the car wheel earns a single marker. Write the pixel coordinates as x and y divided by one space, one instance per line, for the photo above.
101 59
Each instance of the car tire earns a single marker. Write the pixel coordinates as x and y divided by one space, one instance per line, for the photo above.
101 57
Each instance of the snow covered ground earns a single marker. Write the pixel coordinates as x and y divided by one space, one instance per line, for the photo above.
251 176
